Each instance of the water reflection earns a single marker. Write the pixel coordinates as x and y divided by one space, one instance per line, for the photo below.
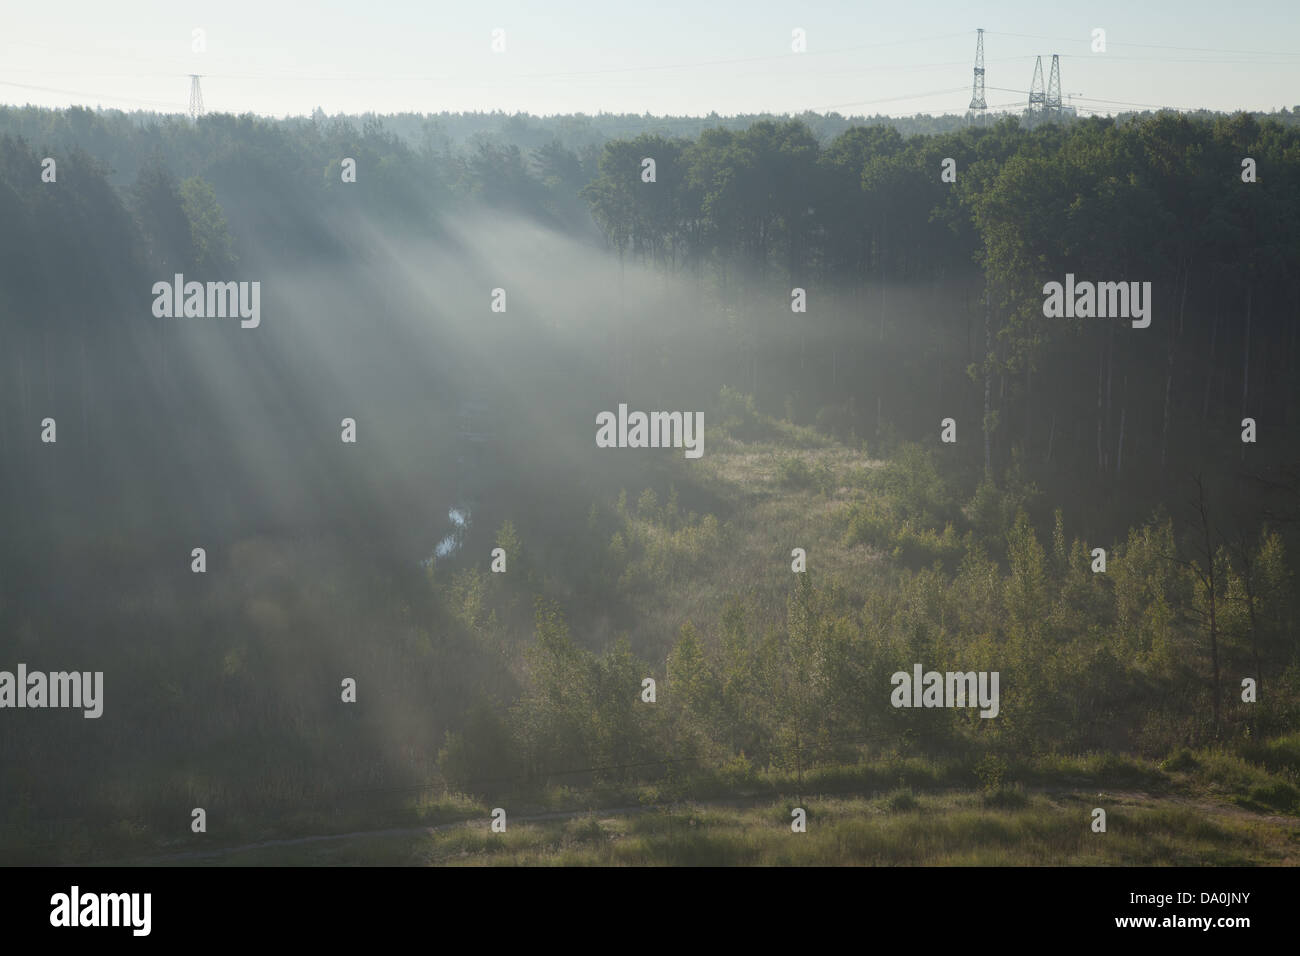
459 518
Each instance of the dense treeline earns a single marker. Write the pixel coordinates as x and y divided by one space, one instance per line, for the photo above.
1105 409
454 133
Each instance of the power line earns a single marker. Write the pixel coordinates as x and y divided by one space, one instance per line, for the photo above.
118 76
1153 46
397 78
93 96
689 65
891 99
1093 99
1182 59
909 68
443 78
754 59
352 77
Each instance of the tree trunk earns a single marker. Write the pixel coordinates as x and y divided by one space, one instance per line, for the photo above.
988 383
1248 578
5 411
85 430
1169 387
1214 641
1169 371
1029 402
1209 375
882 280
1245 371
1110 378
1290 361
1101 378
970 357
1119 448
1213 601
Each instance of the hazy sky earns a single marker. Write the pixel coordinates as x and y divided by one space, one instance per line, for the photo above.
660 56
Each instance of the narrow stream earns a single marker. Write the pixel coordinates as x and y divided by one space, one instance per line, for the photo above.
459 517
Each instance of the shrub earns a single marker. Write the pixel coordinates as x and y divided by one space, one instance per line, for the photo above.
990 771
869 524
1006 798
836 420
1279 795
795 472
1181 760
901 801
738 413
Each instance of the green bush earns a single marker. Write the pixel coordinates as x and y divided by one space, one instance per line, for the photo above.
795 472
836 420
990 771
914 487
1005 798
922 548
868 523
1181 760
901 801
1280 795
738 414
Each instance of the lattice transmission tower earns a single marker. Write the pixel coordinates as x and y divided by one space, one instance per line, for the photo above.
1053 102
977 90
1037 98
196 97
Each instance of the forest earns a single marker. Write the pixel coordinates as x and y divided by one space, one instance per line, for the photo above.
857 311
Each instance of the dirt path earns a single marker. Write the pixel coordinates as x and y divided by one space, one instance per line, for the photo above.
392 831
746 800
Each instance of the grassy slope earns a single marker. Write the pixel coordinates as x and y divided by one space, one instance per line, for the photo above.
1211 807
950 829
764 518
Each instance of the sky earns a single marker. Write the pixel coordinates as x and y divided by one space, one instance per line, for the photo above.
663 57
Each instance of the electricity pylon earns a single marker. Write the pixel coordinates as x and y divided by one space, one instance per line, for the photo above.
1053 101
196 97
1037 97
977 90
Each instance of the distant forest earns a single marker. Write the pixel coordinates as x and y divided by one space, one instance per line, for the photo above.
924 303
1116 416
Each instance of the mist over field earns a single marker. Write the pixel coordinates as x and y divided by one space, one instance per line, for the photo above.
907 463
